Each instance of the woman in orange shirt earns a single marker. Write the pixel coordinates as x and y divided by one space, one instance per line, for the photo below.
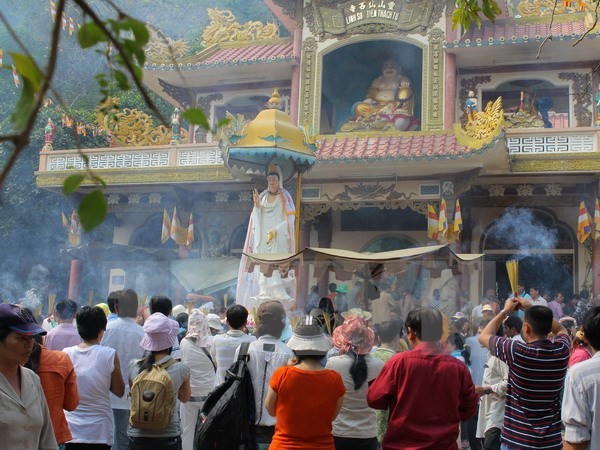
304 396
59 383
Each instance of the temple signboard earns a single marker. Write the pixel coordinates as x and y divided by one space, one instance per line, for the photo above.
327 18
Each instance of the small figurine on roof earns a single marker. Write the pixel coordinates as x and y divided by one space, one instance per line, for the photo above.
471 106
49 134
176 127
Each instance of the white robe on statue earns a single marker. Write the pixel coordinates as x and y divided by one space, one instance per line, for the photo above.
255 288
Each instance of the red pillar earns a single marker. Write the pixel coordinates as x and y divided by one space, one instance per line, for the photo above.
450 91
74 277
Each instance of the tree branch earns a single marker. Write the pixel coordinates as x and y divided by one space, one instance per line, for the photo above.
22 139
549 37
126 62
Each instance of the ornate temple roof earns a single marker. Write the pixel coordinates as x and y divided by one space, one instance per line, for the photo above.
408 146
232 54
511 31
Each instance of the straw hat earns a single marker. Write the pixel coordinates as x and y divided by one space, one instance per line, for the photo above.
356 312
309 339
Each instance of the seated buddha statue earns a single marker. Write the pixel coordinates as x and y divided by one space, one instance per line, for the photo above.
389 103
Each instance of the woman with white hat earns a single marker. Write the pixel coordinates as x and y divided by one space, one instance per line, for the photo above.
195 352
158 341
304 396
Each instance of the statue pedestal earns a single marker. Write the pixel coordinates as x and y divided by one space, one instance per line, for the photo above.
274 288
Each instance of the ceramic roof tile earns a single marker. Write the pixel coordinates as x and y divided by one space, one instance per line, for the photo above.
251 53
410 146
232 56
517 31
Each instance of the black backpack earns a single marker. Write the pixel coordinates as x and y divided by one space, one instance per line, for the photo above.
227 419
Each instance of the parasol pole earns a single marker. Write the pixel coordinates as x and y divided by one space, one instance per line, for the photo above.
298 198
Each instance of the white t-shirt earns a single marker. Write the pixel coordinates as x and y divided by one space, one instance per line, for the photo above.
223 350
202 372
356 419
92 421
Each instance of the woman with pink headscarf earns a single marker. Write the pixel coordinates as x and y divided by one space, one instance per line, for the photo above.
355 427
195 353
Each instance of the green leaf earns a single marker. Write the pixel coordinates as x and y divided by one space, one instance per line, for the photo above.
92 210
71 184
28 70
197 117
24 106
121 80
223 122
142 36
90 34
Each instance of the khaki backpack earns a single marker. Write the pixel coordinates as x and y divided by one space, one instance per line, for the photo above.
152 398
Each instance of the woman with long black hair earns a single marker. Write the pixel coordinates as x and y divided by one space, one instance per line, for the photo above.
355 427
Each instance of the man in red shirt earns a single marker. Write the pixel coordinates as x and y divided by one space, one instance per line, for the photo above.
428 393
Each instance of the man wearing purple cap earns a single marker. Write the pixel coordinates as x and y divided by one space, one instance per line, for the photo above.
25 417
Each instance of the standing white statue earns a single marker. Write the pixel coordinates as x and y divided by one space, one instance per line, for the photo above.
271 230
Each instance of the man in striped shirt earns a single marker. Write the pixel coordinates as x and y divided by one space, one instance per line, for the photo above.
537 371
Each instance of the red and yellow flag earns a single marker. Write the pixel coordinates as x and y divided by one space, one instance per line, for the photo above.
74 229
166 227
457 227
178 233
432 222
190 231
442 220
597 221
65 221
16 78
53 10
584 228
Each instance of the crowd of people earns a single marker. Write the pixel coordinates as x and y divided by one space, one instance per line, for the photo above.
517 374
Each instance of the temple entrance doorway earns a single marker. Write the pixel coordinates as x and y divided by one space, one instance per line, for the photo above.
543 245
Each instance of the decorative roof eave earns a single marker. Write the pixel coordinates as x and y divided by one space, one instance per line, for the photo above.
199 61
558 162
514 31
113 177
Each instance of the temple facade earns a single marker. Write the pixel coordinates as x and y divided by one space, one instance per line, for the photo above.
407 119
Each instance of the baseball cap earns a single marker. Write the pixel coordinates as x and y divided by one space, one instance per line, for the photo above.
19 321
487 308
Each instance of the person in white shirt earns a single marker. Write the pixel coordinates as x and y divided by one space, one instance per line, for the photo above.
98 373
195 352
224 345
492 392
124 335
581 401
267 353
536 298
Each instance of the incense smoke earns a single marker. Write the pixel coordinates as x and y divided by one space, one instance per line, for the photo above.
519 229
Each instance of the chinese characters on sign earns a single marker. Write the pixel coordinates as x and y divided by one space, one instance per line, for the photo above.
362 10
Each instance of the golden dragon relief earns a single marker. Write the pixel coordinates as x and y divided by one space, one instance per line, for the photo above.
132 127
486 126
224 28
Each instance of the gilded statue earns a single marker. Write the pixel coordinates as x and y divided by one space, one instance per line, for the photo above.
389 103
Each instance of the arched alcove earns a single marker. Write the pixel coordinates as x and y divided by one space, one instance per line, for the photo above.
238 238
524 93
247 105
348 72
544 246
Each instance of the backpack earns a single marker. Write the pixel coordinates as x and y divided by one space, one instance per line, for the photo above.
152 398
226 421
